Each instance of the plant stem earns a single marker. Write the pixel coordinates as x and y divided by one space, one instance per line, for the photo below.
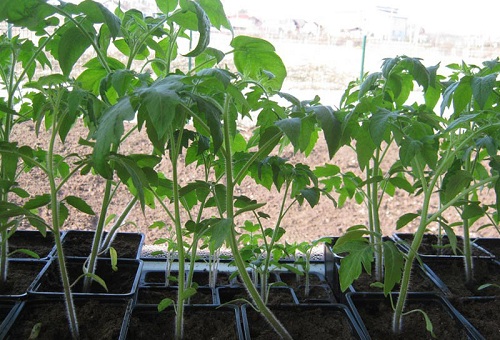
54 205
179 315
397 321
96 242
240 264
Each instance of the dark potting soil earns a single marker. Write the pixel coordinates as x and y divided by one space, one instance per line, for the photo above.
482 313
5 309
20 276
305 324
294 280
117 282
238 295
157 277
79 244
429 245
492 245
319 293
452 273
201 277
154 295
97 319
419 282
33 241
377 318
199 324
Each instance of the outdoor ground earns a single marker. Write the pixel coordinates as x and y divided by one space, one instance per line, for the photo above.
313 68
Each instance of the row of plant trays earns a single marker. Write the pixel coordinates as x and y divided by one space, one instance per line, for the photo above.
128 310
437 283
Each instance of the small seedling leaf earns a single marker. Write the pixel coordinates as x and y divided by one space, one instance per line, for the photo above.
114 258
27 252
97 279
164 304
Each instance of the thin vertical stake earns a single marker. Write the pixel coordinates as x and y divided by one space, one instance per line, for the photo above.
363 52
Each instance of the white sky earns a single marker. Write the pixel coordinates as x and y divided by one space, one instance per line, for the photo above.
447 16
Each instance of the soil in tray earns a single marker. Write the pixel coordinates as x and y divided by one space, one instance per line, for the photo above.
33 241
482 313
377 318
201 277
491 245
157 277
429 246
199 324
320 293
117 282
453 276
419 282
294 280
20 276
305 324
5 309
79 244
97 319
238 295
154 295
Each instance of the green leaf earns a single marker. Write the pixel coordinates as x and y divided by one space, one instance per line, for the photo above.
97 279
220 231
215 12
351 266
72 45
312 196
26 252
26 13
110 132
203 29
167 6
188 292
250 207
161 101
37 202
462 95
331 126
127 168
403 220
379 123
113 258
472 210
368 83
393 266
253 57
453 183
482 88
164 304
98 13
268 139
291 127
213 116
80 204
365 148
402 183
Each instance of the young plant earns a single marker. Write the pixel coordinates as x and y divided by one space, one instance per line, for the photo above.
15 54
429 148
304 251
371 116
470 94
